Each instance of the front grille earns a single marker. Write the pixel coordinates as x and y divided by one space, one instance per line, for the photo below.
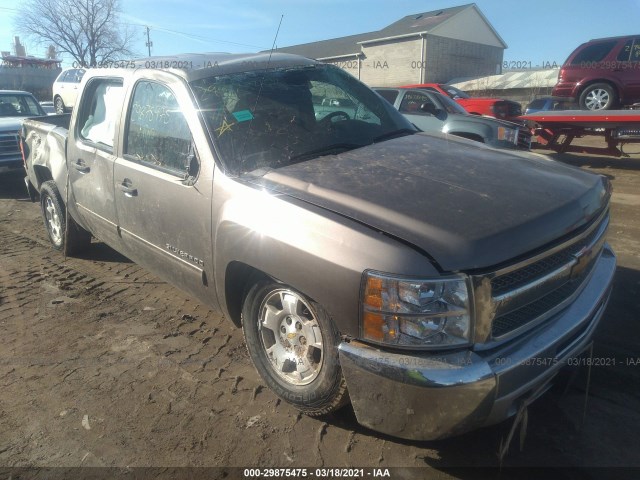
9 147
539 269
530 292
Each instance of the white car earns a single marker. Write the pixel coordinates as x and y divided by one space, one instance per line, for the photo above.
65 89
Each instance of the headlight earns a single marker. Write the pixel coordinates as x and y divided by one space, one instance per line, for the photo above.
508 134
429 313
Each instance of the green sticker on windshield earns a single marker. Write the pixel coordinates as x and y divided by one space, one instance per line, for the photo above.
243 115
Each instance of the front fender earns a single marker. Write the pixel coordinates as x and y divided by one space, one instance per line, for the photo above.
317 252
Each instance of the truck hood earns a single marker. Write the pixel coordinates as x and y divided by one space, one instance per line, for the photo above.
10 124
464 204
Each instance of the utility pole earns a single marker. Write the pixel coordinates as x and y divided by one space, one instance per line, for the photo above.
149 42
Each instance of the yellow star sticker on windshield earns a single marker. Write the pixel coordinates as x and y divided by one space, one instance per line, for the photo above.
225 127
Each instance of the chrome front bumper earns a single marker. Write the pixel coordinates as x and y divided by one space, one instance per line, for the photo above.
428 396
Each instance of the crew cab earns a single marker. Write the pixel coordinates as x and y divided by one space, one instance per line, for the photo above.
431 111
421 277
492 107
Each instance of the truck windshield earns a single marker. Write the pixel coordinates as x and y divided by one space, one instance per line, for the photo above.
276 117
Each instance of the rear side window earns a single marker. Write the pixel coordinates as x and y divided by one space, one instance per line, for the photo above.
594 53
99 112
389 95
157 133
625 52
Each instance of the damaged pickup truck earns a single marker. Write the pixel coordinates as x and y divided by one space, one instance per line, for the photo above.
424 278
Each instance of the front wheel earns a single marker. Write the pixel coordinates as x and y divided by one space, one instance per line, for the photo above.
294 347
69 239
599 96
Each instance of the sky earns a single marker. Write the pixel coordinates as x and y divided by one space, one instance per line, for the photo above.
537 32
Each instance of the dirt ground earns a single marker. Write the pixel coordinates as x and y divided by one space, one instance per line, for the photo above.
102 364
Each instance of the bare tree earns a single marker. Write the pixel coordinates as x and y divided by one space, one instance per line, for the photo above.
88 30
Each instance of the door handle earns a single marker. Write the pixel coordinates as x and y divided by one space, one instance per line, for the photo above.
126 187
81 166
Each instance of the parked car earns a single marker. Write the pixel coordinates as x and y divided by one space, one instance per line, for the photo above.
15 106
48 107
443 285
430 111
602 74
65 89
492 107
545 104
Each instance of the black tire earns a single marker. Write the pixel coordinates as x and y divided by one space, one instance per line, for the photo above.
326 390
598 96
69 240
59 105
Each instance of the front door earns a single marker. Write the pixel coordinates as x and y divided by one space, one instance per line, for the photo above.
162 191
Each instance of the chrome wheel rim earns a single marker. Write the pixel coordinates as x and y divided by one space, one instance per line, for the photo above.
291 337
54 224
597 99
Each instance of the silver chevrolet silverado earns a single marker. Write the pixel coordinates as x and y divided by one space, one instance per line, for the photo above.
433 282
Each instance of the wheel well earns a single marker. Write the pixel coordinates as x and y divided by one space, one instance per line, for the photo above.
43 174
239 278
468 136
593 82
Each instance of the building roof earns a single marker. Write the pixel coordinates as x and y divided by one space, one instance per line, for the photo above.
350 46
420 22
522 79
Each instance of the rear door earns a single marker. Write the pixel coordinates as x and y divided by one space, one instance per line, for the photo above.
162 187
91 157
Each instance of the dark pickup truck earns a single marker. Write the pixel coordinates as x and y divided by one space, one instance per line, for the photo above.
425 279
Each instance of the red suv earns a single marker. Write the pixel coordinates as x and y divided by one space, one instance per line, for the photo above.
602 74
493 107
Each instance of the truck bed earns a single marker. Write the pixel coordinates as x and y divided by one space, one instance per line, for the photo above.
44 142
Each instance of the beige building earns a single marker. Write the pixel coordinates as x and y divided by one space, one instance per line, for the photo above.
426 47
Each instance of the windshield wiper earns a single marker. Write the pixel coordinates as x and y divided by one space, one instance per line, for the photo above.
393 134
328 150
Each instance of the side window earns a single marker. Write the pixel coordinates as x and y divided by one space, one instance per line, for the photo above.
101 106
65 76
329 98
412 101
635 51
157 133
78 74
389 95
594 53
623 56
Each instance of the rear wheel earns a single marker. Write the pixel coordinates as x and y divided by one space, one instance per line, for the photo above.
599 96
69 239
294 347
59 104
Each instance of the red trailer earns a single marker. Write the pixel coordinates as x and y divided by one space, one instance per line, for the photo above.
556 130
